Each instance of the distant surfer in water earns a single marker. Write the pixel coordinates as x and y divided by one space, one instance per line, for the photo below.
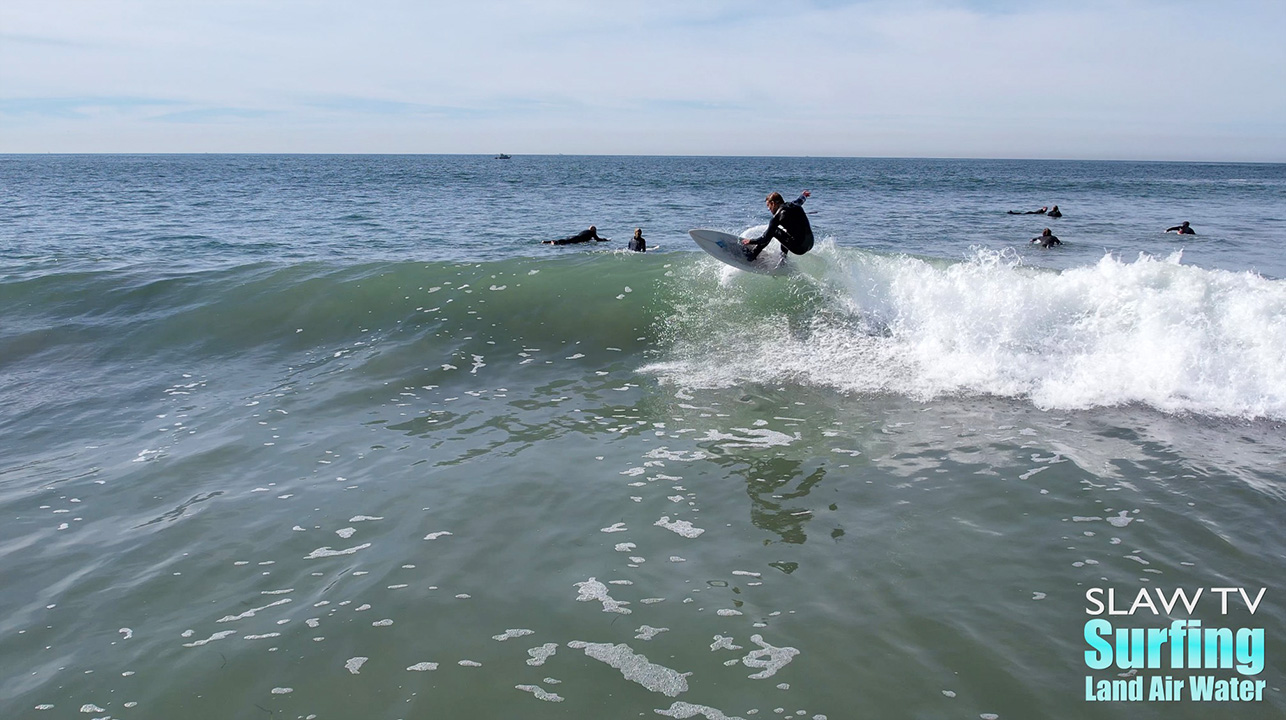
580 237
637 243
1046 239
789 226
1183 229
1054 213
1031 212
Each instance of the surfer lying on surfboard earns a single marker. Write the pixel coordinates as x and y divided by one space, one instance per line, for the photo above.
580 237
789 226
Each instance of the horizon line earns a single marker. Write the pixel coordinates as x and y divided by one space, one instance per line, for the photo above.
641 155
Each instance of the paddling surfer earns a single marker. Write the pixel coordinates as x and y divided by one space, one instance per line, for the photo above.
580 237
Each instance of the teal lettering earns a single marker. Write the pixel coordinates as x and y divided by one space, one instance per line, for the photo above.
1100 658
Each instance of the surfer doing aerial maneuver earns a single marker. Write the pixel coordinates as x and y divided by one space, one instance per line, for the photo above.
789 226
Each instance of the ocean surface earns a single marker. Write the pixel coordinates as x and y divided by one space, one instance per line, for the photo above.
338 437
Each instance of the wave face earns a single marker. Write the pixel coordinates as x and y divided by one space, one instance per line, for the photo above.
1150 331
276 309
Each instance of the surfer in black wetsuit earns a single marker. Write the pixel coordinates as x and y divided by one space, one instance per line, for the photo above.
637 243
1031 212
1054 213
580 237
1183 229
1046 239
789 226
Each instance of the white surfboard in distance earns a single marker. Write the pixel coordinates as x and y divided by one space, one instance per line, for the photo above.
727 249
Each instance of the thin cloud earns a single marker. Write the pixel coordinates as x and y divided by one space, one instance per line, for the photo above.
79 107
211 115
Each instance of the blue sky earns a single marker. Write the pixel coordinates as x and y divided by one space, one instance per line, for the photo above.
1164 80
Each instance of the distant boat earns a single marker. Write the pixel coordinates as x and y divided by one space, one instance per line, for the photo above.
502 156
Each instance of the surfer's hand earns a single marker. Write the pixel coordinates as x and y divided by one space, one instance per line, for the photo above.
745 241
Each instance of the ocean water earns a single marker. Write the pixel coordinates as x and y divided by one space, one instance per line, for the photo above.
337 437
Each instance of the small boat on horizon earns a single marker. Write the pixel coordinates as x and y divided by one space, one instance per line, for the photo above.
502 156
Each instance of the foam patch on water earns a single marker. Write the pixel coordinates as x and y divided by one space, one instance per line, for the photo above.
1121 519
750 438
647 632
540 693
770 658
636 667
253 611
664 453
680 527
540 654
592 590
510 634
683 710
723 643
325 551
215 637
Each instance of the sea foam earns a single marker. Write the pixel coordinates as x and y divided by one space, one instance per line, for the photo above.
1153 331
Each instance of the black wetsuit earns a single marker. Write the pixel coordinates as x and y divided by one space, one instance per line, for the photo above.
580 237
1183 229
1029 212
1046 241
1055 213
638 244
790 227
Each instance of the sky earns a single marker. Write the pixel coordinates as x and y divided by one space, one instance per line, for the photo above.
1084 79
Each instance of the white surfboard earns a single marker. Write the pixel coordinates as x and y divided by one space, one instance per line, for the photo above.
728 249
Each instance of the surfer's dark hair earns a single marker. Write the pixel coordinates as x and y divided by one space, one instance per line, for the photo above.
775 197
